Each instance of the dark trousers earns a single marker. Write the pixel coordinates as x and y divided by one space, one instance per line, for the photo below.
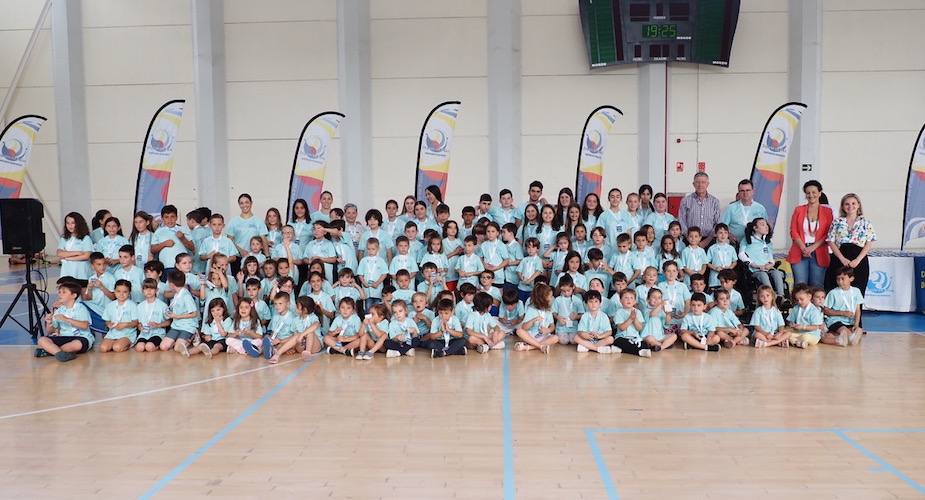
456 346
402 347
627 346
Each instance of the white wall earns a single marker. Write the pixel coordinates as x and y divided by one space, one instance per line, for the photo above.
873 104
282 69
560 91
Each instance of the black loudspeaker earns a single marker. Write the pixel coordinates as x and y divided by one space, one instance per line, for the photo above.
21 223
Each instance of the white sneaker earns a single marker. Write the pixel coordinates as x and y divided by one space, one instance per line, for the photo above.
499 345
604 349
645 353
391 353
582 348
855 337
760 343
482 348
203 348
745 341
181 348
410 352
368 356
615 350
842 340
801 344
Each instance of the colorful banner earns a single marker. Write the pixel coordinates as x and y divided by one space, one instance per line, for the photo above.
16 142
771 156
591 151
433 165
914 212
157 158
311 154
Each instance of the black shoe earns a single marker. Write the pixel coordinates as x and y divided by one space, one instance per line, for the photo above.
713 348
41 353
329 350
656 348
64 357
349 353
437 353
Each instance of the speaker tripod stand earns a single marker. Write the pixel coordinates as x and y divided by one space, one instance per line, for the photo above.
34 299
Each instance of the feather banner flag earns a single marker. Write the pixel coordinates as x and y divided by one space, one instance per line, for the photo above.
16 143
156 162
914 211
433 166
771 156
311 155
590 168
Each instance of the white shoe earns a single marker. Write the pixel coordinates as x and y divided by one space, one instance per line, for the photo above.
615 350
499 345
760 343
392 353
582 348
203 348
801 344
745 341
482 348
645 353
855 337
368 356
842 340
410 352
604 349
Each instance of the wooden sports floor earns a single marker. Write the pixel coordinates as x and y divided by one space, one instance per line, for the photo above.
742 424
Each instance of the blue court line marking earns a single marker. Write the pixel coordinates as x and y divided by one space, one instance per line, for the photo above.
610 487
250 410
887 467
508 434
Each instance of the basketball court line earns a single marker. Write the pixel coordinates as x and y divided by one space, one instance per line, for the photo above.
841 433
507 434
250 410
142 393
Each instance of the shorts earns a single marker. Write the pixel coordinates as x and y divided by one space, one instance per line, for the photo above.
213 343
174 334
60 341
156 340
838 324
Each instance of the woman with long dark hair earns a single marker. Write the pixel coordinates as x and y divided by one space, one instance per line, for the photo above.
809 227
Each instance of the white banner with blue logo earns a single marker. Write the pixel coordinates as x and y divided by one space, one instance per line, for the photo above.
891 286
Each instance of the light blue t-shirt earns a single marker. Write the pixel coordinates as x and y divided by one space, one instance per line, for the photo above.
564 307
349 326
183 303
622 314
151 312
511 314
222 245
720 254
594 323
448 247
281 325
79 269
109 246
700 325
528 266
99 300
545 320
480 323
758 251
724 319
659 222
469 264
843 300
810 315
406 262
211 329
78 312
372 268
655 325
168 255
769 319
403 331
121 313
494 253
614 223
242 230
133 275
736 216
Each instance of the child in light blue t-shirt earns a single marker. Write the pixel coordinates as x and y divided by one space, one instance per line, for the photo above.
121 316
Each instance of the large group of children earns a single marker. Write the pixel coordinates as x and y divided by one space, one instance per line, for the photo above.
608 280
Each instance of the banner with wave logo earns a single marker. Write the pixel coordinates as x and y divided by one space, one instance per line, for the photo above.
590 170
156 161
433 166
771 157
16 142
914 211
311 155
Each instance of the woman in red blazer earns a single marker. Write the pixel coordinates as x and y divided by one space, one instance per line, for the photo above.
809 227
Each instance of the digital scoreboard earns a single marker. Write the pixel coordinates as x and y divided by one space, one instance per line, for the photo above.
638 31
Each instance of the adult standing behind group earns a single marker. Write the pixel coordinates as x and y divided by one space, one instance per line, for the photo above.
809 229
700 209
742 211
850 238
